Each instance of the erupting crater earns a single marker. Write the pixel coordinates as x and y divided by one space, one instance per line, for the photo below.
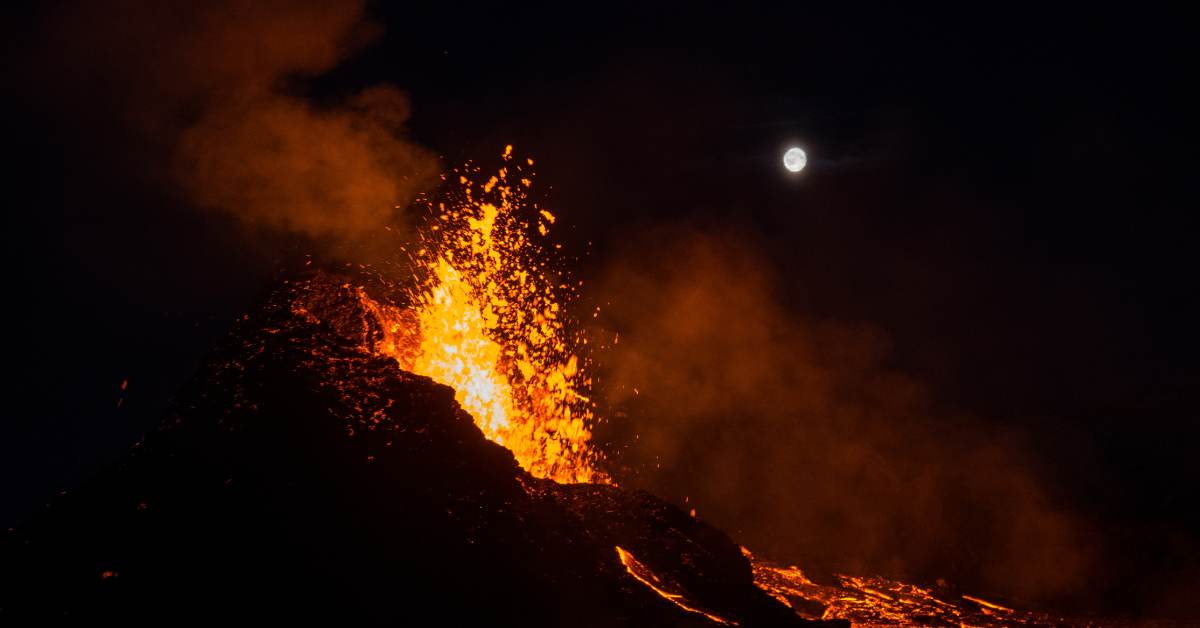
303 475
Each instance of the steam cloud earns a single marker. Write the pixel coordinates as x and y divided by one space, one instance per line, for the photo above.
795 436
205 96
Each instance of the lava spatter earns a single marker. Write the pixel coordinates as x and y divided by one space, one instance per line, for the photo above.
490 319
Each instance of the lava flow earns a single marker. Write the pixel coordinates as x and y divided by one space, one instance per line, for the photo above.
873 601
663 585
487 321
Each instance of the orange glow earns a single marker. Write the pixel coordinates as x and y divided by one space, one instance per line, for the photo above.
987 605
491 325
875 601
664 586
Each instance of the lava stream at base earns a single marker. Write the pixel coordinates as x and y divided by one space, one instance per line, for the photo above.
873 601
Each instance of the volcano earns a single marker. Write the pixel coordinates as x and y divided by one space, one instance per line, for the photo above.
301 476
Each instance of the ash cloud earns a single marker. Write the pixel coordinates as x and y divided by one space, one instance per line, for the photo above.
795 435
206 99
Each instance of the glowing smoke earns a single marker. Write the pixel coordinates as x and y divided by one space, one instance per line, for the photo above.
794 435
207 96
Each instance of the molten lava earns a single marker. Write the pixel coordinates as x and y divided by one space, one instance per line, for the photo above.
489 322
664 586
876 601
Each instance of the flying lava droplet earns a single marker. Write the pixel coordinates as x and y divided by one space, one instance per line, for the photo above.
795 159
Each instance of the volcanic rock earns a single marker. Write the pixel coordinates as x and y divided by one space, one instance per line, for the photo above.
299 477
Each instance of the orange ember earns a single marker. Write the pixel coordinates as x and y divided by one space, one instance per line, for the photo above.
491 324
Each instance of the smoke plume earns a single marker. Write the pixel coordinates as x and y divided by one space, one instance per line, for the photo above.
207 97
794 434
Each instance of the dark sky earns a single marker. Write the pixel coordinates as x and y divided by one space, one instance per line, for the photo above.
997 220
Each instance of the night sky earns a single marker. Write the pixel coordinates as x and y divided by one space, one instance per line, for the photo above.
979 298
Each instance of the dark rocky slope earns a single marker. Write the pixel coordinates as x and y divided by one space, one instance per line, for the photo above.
301 478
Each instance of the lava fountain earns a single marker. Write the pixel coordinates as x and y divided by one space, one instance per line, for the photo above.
487 319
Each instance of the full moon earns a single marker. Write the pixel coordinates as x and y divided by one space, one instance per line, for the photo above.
795 159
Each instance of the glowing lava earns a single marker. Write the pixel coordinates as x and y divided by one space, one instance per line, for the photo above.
491 326
664 586
882 602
